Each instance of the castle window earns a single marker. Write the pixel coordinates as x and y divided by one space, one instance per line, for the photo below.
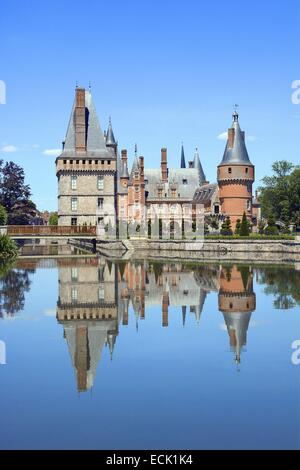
71 161
73 182
247 170
108 162
102 162
74 203
248 205
136 188
231 306
101 292
74 294
217 209
73 221
74 274
83 162
100 203
77 162
100 182
96 162
229 170
184 181
90 162
65 161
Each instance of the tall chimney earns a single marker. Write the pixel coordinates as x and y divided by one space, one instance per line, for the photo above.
141 165
230 138
124 156
80 127
164 165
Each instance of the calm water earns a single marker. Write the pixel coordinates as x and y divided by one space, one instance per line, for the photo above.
147 355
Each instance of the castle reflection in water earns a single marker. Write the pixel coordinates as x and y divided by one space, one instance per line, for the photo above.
95 296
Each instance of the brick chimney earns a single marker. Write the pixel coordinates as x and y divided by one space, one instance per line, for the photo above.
164 165
124 156
141 165
80 127
230 138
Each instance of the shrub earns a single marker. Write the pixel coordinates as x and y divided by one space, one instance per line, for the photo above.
226 227
8 248
244 230
3 216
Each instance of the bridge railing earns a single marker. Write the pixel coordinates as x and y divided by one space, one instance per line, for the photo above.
50 230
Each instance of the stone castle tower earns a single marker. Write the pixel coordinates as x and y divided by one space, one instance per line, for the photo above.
87 168
236 176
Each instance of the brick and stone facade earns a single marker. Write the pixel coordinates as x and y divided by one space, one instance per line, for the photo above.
95 186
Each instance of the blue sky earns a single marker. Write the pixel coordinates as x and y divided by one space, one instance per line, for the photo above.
166 71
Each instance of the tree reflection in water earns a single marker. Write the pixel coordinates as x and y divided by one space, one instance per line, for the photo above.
14 282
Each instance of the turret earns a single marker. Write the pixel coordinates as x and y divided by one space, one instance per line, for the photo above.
236 176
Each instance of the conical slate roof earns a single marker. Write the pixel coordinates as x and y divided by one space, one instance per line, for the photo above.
237 155
182 162
124 171
95 141
198 166
110 138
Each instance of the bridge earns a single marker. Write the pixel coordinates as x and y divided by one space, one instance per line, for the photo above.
49 231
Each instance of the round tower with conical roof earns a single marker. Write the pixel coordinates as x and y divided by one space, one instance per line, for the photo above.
236 176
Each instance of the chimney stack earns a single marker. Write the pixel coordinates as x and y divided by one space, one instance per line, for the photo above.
80 127
141 165
164 165
230 138
124 156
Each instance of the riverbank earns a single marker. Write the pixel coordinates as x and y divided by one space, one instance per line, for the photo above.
213 249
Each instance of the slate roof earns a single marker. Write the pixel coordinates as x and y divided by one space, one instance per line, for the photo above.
205 193
185 179
238 155
95 141
197 164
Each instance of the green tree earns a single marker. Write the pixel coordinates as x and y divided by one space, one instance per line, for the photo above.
15 194
237 227
261 226
271 228
280 194
226 227
245 229
3 216
53 219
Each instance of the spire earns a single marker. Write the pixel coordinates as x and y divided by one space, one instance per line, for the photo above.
198 166
182 163
236 151
110 138
135 164
124 170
